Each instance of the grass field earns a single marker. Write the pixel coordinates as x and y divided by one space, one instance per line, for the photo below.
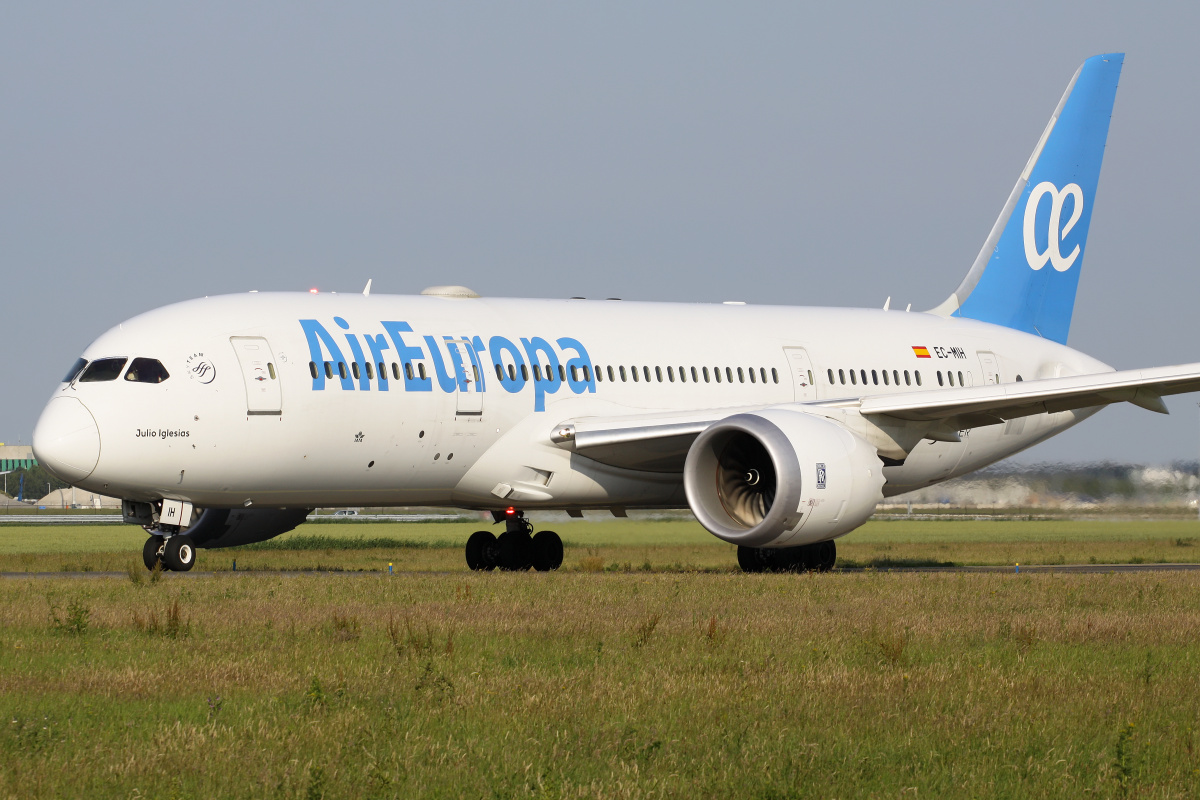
666 682
621 545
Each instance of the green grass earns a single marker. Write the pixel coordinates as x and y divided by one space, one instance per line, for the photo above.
601 685
626 545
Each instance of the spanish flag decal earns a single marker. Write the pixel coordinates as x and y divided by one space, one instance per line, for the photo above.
922 352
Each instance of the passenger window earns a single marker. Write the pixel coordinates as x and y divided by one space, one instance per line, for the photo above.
907 382
896 377
562 373
633 371
950 377
646 372
575 373
863 372
354 369
149 370
75 369
706 375
741 376
525 372
103 369
328 370
370 371
658 373
694 378
270 370
752 375
831 376
395 370
774 375
842 377
960 380
622 375
717 374
599 374
537 373
587 373
671 374
874 377
729 374
885 378
762 373
383 371
917 375
610 375
940 383
342 370
312 369
512 372
853 378
810 378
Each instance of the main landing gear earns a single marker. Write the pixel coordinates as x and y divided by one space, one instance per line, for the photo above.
818 557
175 553
517 549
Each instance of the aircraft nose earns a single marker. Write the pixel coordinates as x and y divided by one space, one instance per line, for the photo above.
66 440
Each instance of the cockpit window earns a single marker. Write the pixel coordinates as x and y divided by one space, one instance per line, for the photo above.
147 370
75 369
103 369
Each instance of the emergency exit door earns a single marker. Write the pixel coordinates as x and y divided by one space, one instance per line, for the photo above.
263 394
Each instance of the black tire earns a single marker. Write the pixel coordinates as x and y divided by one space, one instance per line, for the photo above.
179 554
827 556
547 551
755 559
151 552
481 551
516 551
792 559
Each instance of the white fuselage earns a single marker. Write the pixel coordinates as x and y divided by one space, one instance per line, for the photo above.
211 433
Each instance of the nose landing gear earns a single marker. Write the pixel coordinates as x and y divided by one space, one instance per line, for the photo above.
176 553
515 550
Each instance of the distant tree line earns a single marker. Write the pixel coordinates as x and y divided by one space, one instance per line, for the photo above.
36 479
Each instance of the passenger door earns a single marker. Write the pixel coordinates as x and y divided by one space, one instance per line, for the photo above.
263 393
803 379
991 367
469 401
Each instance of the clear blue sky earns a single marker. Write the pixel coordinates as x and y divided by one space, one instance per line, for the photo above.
824 154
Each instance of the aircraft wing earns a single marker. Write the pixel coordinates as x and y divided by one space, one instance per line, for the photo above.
973 406
659 442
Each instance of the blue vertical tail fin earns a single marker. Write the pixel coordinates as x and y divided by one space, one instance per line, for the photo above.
1026 275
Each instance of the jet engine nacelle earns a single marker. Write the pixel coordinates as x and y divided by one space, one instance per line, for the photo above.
779 478
225 527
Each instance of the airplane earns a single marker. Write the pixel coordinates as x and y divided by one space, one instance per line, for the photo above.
224 420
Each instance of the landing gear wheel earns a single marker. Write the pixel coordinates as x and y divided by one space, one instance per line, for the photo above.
547 551
826 553
179 554
152 552
516 551
756 559
482 551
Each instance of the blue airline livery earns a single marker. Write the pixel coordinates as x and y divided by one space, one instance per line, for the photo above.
225 420
460 368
